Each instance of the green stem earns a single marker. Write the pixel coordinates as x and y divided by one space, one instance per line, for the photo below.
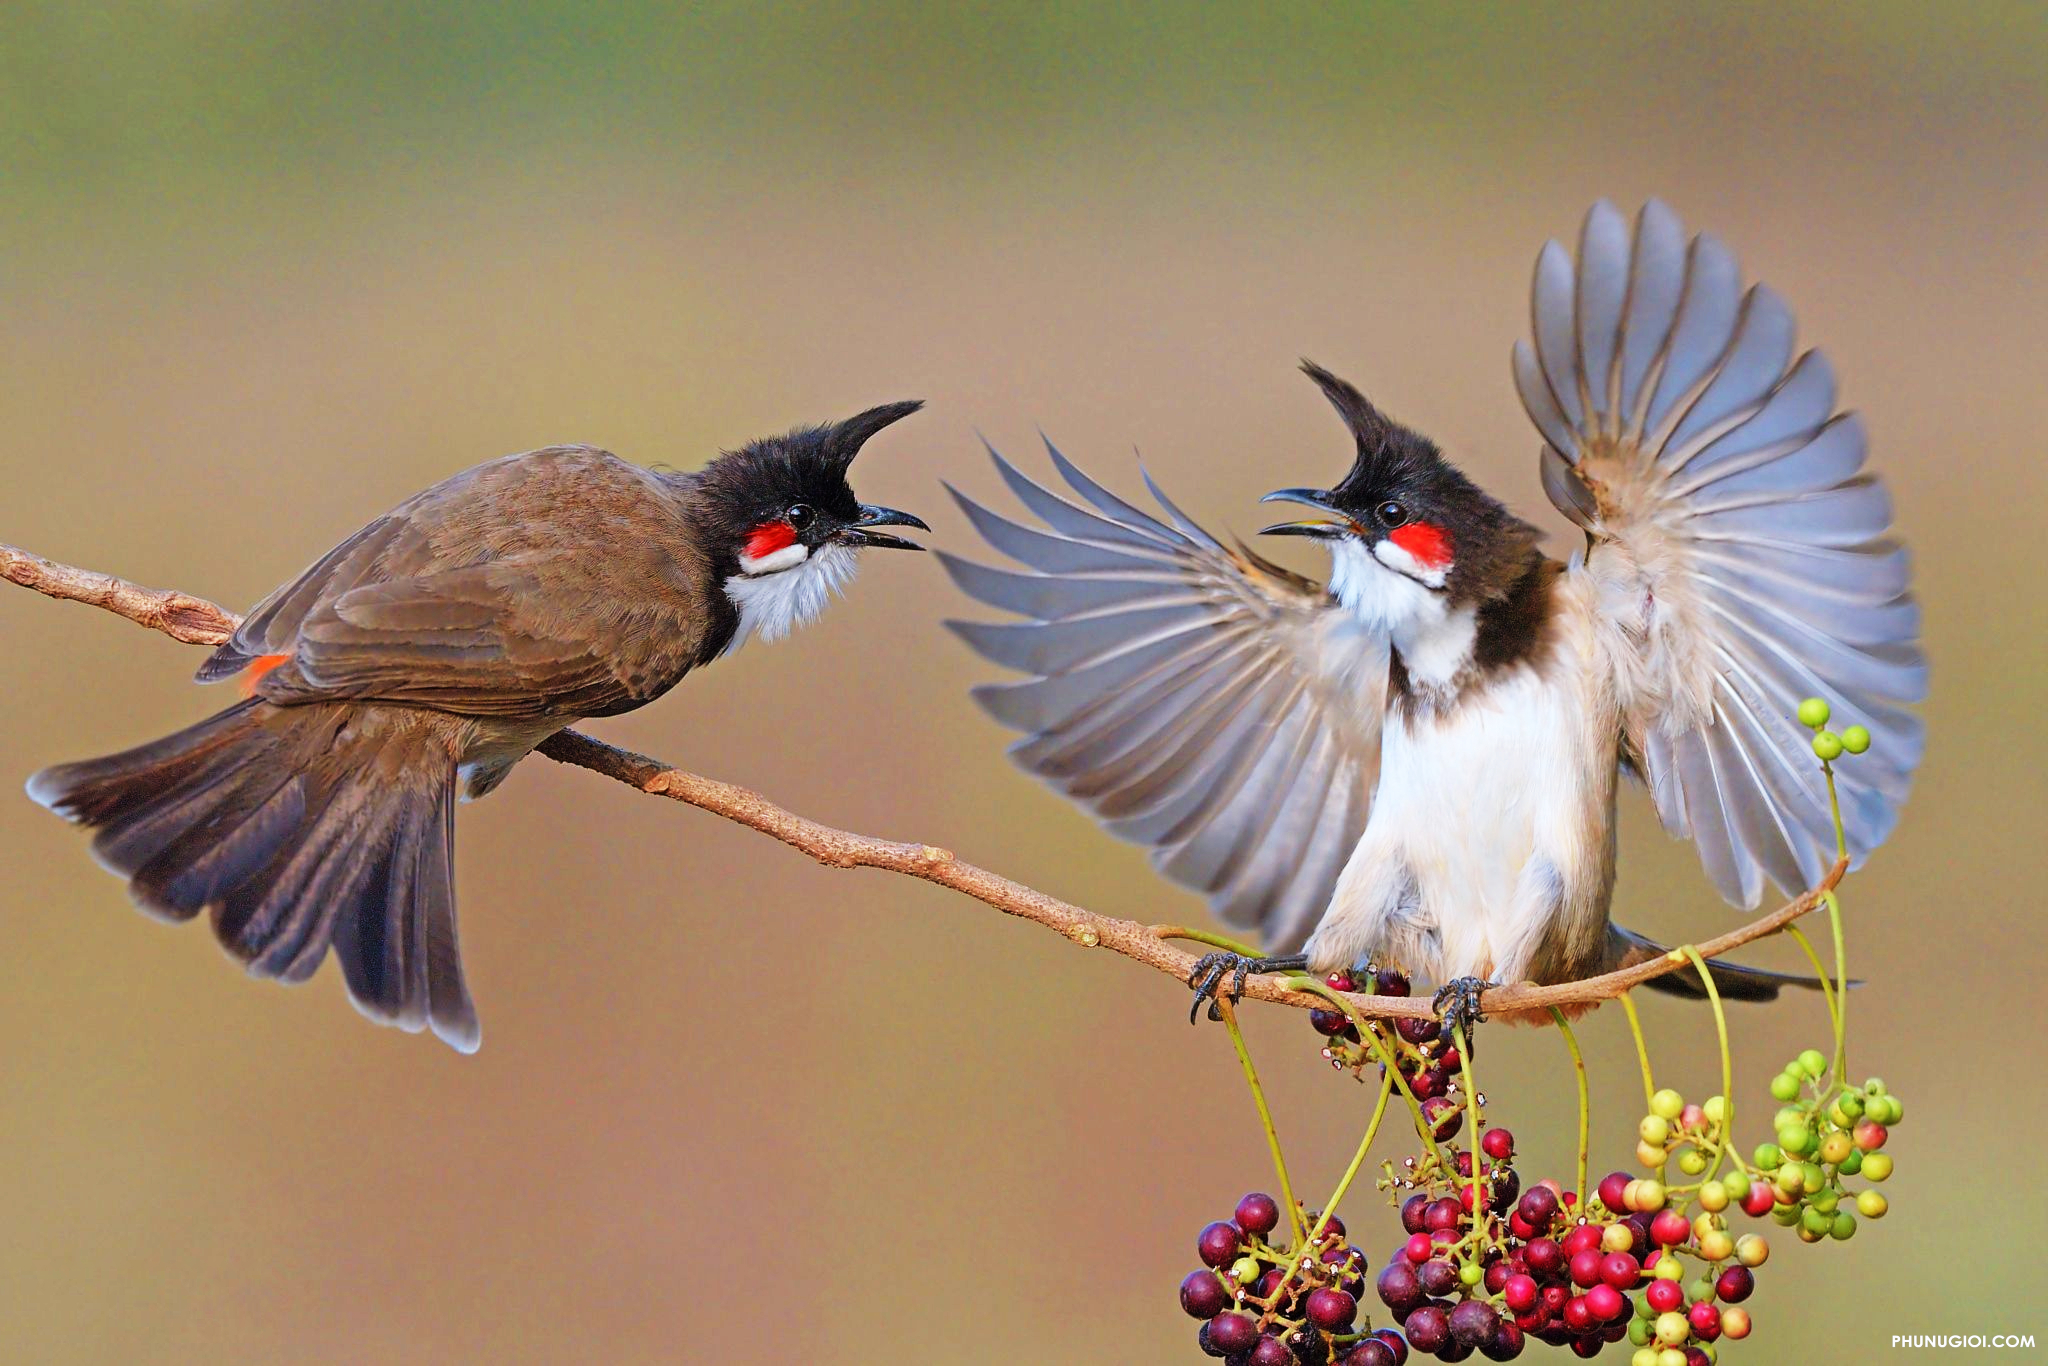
1214 941
1635 1027
1251 1077
1472 1118
1585 1104
1727 1063
1841 989
1329 1208
1820 972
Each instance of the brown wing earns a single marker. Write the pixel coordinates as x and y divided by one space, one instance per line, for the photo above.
553 583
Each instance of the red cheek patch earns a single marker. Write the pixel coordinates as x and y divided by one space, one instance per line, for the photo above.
1429 543
768 538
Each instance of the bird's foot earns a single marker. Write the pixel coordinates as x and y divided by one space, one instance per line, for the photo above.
1211 969
1457 1007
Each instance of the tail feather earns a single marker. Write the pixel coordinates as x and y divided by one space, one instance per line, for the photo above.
300 827
1733 981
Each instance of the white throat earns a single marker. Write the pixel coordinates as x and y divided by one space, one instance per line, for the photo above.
779 592
1434 639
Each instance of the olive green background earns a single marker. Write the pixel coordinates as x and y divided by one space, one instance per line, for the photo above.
264 270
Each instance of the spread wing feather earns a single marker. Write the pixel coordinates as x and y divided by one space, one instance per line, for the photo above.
1194 698
1739 556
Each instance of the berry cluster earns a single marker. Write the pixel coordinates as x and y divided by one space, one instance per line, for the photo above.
1825 1133
1427 1060
1265 1304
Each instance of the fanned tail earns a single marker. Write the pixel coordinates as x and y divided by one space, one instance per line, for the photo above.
302 828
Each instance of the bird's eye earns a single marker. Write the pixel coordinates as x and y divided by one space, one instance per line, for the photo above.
800 515
1391 514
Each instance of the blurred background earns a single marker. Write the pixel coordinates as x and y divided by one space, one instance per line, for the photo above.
270 268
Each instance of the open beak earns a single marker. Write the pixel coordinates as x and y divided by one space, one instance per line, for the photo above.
1316 528
861 531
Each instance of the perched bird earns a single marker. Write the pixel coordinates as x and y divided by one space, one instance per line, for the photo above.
1418 763
423 657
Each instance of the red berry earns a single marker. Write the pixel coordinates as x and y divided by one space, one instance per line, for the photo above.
1418 1248
1520 1292
1870 1135
1203 1294
1578 1315
1234 1333
1670 1228
1219 1243
1498 1144
1340 981
1705 1320
1619 1270
1611 1187
1258 1213
1758 1202
1664 1296
1606 1303
1695 1356
1443 1115
1586 1267
1735 1284
1582 1238
1443 1213
1330 1310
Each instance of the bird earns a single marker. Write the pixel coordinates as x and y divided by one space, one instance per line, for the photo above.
1417 763
419 660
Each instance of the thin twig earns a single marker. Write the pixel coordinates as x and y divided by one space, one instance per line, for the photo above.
199 622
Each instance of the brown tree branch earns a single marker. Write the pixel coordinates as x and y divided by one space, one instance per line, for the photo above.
199 622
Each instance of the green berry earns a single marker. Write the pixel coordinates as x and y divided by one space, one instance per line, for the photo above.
1850 1104
1813 1062
1876 1166
1787 1215
1796 1141
1692 1162
1667 1104
1737 1183
1814 712
1247 1270
1768 1157
1893 1110
1654 1130
1874 1087
1638 1327
1844 1226
1871 1204
1785 1086
1716 1109
1855 739
1851 1164
1813 1221
1827 745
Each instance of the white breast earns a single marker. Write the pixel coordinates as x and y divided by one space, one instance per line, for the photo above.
1490 818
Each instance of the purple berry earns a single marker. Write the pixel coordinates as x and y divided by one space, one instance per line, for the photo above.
1735 1285
1412 1214
1417 1031
1330 1310
1400 1289
1438 1276
1507 1342
1234 1333
1443 1115
1428 1329
1370 1352
1271 1352
1218 1244
1390 982
1396 1344
1203 1294
1474 1322
1258 1213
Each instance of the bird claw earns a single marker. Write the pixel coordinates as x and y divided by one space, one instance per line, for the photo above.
1457 1007
1211 968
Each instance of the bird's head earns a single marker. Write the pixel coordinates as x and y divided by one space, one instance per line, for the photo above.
783 526
1407 531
